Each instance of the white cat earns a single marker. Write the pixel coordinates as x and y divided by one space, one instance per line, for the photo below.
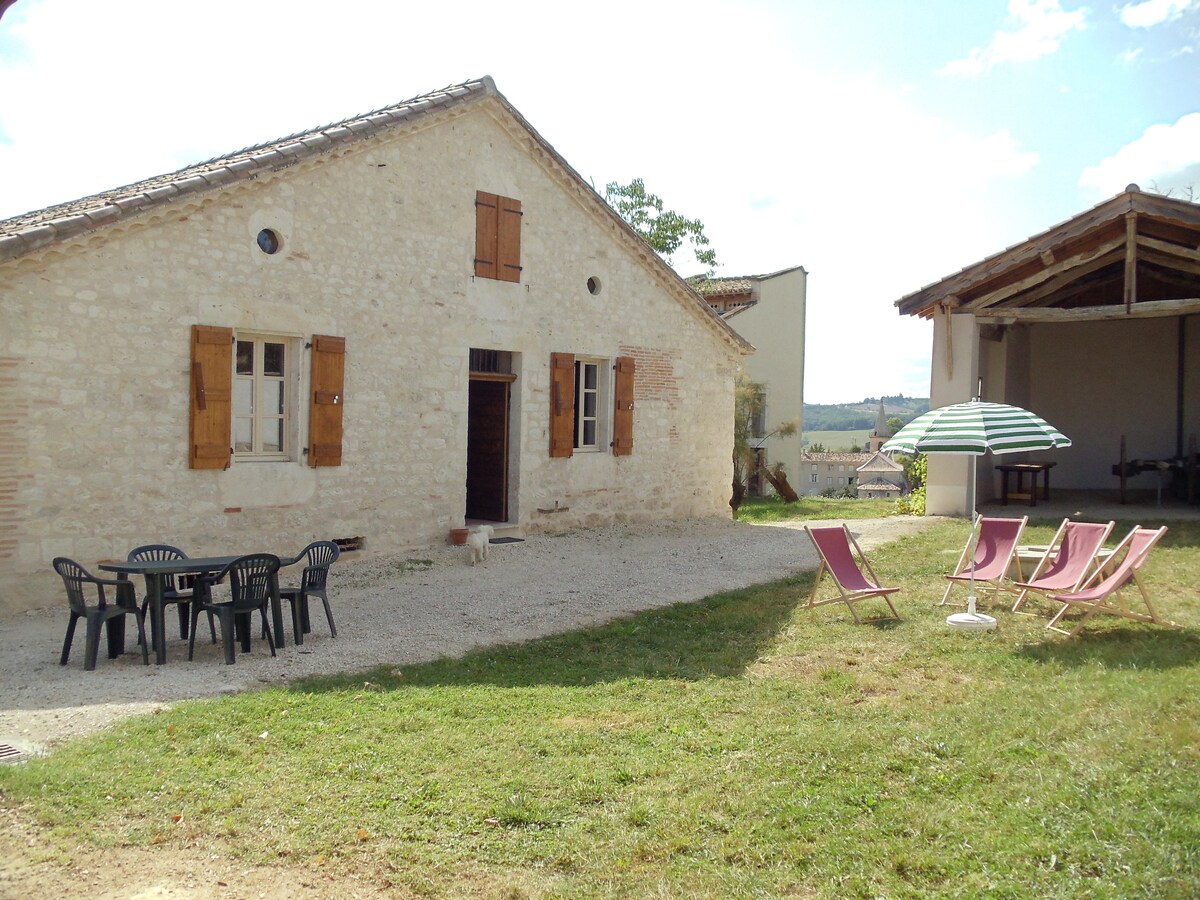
478 542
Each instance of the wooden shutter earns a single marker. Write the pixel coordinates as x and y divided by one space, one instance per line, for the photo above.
211 422
508 240
325 408
562 404
497 237
487 231
623 407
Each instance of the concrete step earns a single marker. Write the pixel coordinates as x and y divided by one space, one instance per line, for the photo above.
500 529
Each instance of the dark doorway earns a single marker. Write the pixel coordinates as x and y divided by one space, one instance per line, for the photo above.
487 448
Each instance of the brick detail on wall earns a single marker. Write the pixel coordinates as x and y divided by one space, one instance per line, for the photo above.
14 413
656 382
656 379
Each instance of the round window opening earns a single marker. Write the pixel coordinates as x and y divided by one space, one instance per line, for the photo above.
593 285
268 241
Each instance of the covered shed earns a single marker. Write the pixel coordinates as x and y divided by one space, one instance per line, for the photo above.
1095 325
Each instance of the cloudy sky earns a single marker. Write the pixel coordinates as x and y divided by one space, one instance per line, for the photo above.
880 144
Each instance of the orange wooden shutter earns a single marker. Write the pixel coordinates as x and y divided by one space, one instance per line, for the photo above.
508 240
487 208
562 404
211 423
325 408
623 407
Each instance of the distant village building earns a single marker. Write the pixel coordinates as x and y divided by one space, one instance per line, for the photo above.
768 311
880 477
820 472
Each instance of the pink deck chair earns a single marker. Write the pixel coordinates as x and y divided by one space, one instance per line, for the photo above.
1068 561
1099 594
839 560
995 549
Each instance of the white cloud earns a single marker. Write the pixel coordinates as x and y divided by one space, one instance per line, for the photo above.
1040 27
1161 152
1149 13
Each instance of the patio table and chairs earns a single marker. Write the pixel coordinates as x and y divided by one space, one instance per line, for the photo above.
159 574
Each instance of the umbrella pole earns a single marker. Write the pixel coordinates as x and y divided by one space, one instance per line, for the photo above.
971 620
974 537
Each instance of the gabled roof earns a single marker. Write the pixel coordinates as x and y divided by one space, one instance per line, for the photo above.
1082 265
834 456
732 285
720 287
28 232
878 484
881 462
34 230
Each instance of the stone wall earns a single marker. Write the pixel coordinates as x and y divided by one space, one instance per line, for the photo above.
378 248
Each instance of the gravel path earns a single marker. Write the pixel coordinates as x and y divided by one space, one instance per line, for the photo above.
406 609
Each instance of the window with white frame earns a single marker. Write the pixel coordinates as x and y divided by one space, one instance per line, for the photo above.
591 403
263 405
815 477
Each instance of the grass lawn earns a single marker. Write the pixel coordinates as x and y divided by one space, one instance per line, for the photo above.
738 747
772 509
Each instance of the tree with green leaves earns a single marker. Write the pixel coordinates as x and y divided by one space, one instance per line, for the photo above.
749 406
665 230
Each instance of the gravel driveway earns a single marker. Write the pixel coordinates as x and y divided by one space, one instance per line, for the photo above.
406 609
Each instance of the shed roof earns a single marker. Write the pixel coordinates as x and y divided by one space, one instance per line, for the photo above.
1136 253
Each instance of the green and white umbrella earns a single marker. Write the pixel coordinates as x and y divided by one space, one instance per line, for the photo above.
976 428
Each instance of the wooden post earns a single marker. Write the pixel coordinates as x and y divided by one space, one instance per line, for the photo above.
1130 261
1123 469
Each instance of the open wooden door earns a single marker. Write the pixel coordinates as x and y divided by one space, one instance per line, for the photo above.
487 448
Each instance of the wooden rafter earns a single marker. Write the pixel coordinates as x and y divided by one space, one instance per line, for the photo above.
1130 260
1149 232
1070 269
1149 309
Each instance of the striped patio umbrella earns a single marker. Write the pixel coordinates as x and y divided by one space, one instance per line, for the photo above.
976 428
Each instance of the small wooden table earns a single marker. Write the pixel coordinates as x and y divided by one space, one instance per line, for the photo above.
1021 469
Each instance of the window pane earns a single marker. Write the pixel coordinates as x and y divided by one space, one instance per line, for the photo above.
243 430
589 405
273 398
245 357
589 376
589 434
243 397
272 359
273 436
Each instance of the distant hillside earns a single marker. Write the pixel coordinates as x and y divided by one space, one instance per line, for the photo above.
857 416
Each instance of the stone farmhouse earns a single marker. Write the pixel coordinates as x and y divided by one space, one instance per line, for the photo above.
372 331
769 312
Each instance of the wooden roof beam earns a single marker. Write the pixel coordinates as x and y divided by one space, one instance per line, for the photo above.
1150 309
1092 259
1130 260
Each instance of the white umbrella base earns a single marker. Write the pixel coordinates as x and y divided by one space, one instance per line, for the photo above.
969 621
